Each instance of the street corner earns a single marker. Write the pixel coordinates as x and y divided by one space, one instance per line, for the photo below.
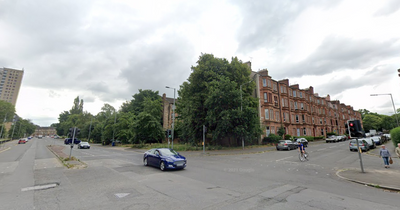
384 179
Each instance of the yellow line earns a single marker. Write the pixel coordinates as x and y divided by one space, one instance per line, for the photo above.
5 149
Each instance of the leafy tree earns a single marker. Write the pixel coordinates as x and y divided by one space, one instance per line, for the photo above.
211 97
281 131
77 108
7 111
371 122
136 105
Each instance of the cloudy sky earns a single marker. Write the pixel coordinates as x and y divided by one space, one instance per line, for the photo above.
104 51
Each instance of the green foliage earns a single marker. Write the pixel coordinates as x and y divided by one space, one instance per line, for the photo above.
136 105
395 136
271 139
77 108
281 131
372 122
7 111
331 134
287 136
212 97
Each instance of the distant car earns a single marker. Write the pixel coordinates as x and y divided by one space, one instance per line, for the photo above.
303 141
331 139
286 145
164 158
22 141
84 145
69 141
362 144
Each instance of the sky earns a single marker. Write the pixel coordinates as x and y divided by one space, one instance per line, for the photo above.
105 51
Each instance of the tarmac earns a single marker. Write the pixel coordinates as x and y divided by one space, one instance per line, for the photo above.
375 176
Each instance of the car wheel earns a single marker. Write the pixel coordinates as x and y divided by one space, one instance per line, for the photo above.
145 162
162 166
288 148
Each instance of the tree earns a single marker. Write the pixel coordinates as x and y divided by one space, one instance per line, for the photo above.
211 97
7 111
77 108
372 122
136 105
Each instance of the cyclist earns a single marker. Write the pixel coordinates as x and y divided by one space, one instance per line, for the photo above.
302 150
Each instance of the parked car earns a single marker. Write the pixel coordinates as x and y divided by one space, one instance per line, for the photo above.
164 158
331 139
371 142
286 145
84 145
303 141
22 141
377 140
362 144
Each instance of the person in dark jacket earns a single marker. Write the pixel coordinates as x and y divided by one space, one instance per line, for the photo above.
384 153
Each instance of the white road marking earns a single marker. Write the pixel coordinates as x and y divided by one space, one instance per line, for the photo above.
284 158
39 187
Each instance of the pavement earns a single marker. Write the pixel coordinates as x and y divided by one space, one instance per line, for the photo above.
377 176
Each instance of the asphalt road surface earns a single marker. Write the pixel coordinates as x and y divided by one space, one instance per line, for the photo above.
32 178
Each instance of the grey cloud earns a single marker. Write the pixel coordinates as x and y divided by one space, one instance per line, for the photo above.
373 77
158 65
340 53
388 8
264 21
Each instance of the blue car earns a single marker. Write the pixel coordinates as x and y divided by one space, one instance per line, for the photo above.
164 158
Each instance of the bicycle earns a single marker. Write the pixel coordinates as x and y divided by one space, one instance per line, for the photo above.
303 156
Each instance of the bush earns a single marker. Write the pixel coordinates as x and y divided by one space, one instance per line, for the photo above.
287 136
395 136
331 134
271 139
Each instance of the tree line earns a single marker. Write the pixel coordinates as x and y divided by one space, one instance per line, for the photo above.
19 128
379 122
217 95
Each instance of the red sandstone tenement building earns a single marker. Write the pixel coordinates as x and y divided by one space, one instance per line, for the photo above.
301 112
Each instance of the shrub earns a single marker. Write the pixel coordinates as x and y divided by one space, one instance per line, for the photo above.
331 134
272 138
395 136
287 136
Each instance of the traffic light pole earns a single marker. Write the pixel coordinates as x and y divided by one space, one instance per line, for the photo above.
72 143
359 155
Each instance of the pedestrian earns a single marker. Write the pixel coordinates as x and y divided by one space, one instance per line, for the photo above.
384 153
398 150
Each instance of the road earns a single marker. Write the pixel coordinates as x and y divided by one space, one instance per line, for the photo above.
116 179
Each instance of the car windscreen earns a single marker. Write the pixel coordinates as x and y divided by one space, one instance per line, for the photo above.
167 152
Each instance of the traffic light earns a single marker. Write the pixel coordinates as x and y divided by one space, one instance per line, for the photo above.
70 132
354 127
77 131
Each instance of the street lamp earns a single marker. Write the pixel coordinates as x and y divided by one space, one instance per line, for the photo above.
173 117
394 108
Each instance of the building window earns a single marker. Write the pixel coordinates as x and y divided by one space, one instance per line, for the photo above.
267 131
265 97
271 114
273 130
301 94
266 114
264 82
320 121
295 105
275 87
294 93
277 116
297 118
284 117
269 83
304 131
302 106
303 118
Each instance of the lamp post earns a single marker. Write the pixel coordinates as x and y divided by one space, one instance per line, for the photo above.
173 117
394 108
